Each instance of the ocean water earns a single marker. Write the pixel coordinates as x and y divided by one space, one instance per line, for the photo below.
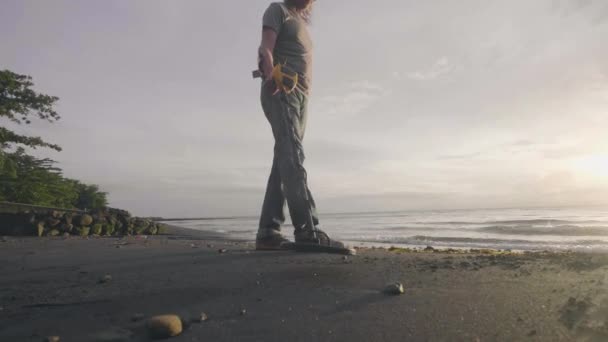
573 229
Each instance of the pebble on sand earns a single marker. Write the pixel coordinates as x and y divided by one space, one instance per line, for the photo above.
394 289
105 279
137 317
202 318
164 326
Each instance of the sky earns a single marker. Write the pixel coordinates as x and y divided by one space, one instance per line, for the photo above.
415 105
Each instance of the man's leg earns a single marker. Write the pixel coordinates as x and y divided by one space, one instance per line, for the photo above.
288 120
273 214
273 209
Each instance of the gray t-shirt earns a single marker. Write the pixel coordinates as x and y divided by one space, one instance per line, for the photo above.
293 45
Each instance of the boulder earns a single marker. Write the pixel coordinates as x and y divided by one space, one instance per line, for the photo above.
40 228
99 218
108 229
84 231
67 218
96 229
53 222
85 220
66 227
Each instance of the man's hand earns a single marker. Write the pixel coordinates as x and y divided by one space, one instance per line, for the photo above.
266 64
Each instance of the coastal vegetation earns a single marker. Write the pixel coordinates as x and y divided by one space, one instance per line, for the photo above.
35 197
25 178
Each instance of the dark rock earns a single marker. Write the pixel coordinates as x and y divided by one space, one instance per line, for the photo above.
105 279
96 229
137 317
53 222
67 218
394 289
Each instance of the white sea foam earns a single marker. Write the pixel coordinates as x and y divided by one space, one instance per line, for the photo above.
527 229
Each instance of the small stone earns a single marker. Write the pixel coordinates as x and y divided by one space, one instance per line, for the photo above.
164 326
53 339
222 251
137 317
203 317
243 312
105 279
394 289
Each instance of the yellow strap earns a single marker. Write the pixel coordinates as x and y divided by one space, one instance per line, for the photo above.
278 76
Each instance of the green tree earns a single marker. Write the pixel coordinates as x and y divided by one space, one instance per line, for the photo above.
89 197
19 103
36 181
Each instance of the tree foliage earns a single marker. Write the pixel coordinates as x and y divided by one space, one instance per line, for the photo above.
19 103
39 182
27 179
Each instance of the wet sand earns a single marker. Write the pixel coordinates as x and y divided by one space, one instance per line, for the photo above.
54 286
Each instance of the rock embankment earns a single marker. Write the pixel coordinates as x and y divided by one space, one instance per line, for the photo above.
54 222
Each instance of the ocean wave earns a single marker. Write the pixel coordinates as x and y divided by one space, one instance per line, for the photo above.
561 230
450 240
544 222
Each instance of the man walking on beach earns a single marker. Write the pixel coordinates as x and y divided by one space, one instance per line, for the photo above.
286 42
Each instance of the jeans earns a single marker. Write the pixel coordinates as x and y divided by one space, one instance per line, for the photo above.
287 114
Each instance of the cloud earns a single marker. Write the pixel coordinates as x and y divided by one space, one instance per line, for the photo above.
440 68
352 99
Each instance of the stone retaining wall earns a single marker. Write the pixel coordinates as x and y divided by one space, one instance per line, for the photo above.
39 221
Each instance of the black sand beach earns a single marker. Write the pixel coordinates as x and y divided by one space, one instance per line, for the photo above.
56 286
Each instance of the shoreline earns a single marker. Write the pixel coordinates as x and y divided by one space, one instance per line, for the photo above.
209 235
51 286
